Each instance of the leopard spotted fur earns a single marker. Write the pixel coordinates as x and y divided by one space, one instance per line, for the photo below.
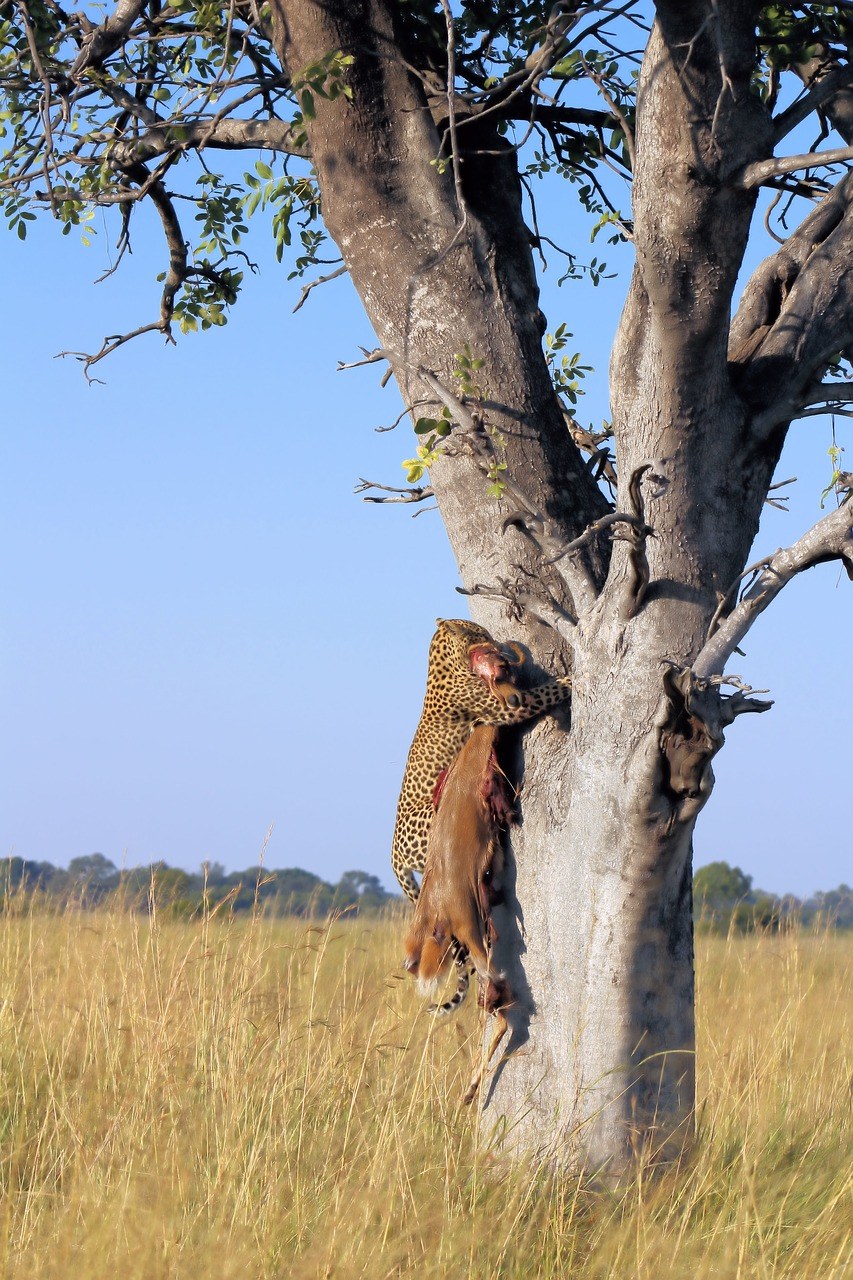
455 701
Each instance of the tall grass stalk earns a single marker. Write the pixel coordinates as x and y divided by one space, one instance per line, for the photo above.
242 1097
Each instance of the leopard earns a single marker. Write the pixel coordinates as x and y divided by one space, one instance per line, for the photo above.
457 698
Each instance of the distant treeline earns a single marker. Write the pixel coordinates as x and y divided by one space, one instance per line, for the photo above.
94 880
723 896
724 899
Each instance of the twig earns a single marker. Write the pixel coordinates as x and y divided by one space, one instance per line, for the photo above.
176 276
44 108
725 78
312 284
591 531
598 81
409 409
521 599
749 572
451 120
779 503
416 494
370 357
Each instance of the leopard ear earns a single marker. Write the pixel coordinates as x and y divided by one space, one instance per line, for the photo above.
456 626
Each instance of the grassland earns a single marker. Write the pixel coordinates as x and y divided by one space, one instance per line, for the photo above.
261 1099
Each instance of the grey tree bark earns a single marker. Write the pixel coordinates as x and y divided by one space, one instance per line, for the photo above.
596 936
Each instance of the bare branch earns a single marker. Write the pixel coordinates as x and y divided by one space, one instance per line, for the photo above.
627 131
537 602
837 106
830 539
416 494
781 501
795 314
591 531
44 108
370 357
451 114
822 411
558 118
637 533
404 413
312 284
755 174
827 81
179 270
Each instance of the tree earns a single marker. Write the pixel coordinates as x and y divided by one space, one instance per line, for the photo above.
95 870
836 906
426 126
361 889
719 886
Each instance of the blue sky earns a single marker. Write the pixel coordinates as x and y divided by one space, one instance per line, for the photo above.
205 634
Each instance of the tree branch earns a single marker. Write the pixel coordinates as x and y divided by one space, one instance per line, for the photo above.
99 42
796 313
830 539
827 81
837 106
225 135
829 393
416 494
755 174
538 603
312 284
178 272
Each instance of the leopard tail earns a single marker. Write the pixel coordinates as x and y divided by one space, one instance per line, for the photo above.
463 980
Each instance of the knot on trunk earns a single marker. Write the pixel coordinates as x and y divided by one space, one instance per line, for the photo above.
692 728
692 733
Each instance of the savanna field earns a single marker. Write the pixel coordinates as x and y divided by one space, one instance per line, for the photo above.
261 1098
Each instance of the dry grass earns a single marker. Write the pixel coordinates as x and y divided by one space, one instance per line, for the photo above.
262 1099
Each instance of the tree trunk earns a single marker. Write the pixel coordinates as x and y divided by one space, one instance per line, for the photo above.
596 934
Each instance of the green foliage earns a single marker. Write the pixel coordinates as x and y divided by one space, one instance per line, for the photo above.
835 452
86 142
567 372
109 133
792 33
